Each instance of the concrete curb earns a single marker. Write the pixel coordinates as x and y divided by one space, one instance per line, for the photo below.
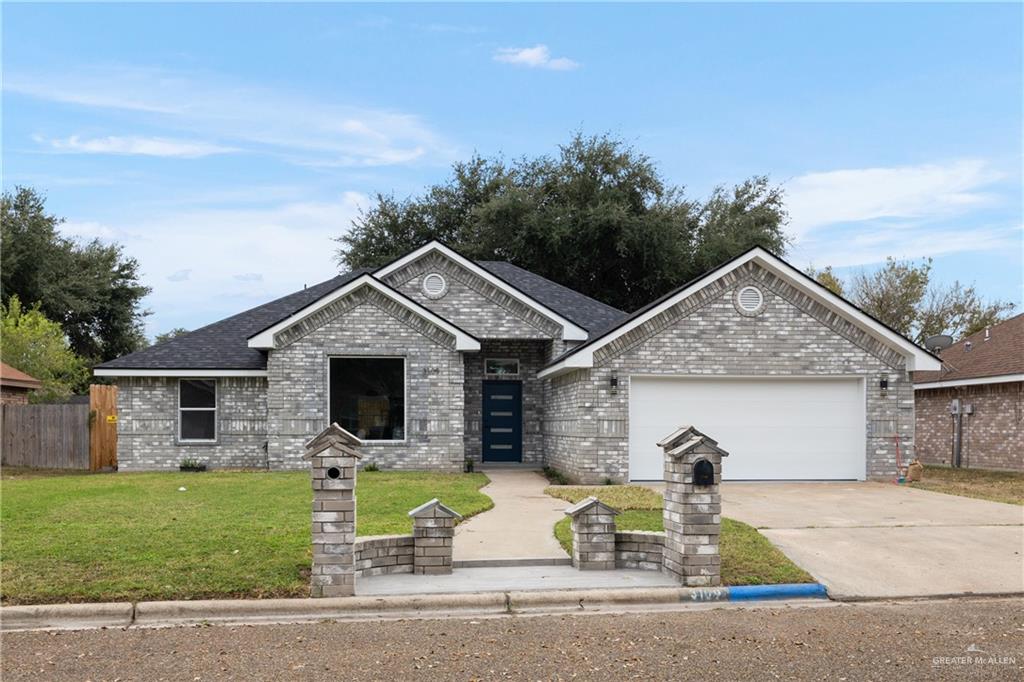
240 611
66 616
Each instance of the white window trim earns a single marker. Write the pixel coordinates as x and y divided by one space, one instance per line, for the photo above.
215 409
570 330
405 398
515 360
917 358
264 340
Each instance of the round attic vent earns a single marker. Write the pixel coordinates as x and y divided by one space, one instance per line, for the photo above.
434 285
750 299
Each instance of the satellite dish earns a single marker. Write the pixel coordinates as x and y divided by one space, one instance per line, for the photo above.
938 342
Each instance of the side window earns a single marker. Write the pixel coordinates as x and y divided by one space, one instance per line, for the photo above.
197 410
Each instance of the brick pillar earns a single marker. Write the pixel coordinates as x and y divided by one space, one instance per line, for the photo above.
693 507
333 467
593 535
433 531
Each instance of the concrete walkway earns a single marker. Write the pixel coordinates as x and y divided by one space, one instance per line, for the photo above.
521 524
504 579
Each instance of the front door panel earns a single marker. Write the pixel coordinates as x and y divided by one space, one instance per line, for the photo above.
502 421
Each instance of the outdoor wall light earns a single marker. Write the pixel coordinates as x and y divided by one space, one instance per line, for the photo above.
883 385
614 383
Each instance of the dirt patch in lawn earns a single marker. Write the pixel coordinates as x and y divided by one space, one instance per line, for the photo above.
996 486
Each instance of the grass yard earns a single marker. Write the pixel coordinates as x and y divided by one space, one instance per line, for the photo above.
997 486
229 534
748 558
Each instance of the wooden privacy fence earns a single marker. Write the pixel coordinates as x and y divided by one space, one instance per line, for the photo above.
64 436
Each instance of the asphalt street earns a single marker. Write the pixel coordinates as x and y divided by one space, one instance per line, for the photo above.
961 639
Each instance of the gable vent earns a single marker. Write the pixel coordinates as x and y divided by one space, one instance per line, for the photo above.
750 299
434 285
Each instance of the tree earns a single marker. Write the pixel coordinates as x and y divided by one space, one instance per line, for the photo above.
827 278
90 288
902 295
167 336
37 346
596 217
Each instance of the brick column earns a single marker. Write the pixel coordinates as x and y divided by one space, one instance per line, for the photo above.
433 530
593 535
693 508
333 468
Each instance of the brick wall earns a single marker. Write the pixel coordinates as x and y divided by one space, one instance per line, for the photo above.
993 437
381 554
369 325
12 395
147 424
586 423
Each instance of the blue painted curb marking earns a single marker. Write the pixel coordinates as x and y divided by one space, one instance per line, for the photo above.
790 591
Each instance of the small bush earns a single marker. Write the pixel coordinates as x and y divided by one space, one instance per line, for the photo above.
371 466
555 476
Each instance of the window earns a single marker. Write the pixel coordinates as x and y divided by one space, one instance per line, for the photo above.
197 410
501 367
367 397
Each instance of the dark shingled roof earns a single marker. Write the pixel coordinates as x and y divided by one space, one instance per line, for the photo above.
977 358
587 312
224 344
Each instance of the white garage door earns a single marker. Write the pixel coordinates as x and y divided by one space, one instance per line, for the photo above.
772 428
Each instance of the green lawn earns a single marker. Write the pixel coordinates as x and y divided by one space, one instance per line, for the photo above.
997 486
230 534
747 556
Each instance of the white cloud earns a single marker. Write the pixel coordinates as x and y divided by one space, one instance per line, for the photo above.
205 264
85 229
302 129
815 200
536 57
142 146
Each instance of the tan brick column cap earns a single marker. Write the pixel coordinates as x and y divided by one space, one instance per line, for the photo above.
589 503
434 509
682 435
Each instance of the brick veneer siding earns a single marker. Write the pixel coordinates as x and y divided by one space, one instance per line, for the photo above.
298 376
532 355
13 395
381 554
147 424
993 437
586 424
472 303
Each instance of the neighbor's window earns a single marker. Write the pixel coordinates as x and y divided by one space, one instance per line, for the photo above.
368 397
506 367
197 409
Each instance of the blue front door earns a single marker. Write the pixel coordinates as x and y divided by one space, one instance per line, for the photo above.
502 421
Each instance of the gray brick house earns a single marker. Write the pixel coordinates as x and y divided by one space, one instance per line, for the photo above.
435 359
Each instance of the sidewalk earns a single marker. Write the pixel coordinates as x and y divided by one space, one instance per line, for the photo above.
521 524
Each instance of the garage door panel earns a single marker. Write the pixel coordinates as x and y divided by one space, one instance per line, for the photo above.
773 428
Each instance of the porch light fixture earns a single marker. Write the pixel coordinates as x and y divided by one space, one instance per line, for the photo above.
614 383
883 385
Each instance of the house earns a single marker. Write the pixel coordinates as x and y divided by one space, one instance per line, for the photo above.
435 359
15 385
971 412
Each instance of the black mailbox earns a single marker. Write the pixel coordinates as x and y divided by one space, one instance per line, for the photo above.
703 472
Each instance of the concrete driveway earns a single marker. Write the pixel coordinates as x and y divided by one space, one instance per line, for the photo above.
883 540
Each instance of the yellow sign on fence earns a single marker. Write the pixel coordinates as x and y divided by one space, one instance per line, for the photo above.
111 418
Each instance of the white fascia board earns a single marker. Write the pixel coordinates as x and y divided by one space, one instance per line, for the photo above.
917 358
979 381
570 330
264 340
101 372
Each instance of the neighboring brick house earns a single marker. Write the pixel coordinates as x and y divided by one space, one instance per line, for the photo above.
971 412
435 359
15 385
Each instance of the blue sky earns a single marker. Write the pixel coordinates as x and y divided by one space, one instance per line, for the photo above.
224 145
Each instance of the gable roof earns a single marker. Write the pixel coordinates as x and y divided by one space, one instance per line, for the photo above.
264 338
583 355
15 378
222 348
989 356
570 330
